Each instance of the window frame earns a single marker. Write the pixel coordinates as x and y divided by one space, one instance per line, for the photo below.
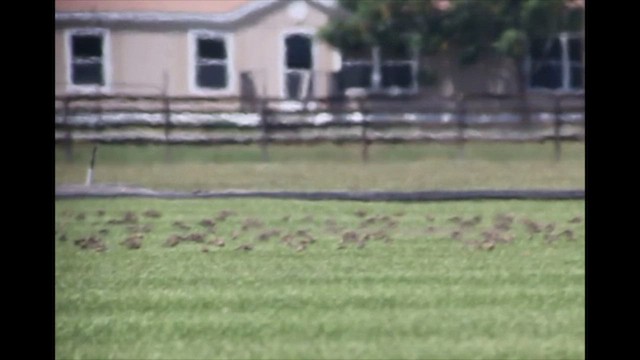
282 58
565 63
359 62
394 89
376 64
193 36
106 60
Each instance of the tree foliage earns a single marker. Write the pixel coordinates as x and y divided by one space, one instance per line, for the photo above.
476 27
394 25
506 26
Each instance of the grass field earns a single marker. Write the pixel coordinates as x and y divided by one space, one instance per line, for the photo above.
392 167
421 293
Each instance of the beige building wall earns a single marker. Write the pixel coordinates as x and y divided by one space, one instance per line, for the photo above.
60 74
260 49
139 58
140 61
137 62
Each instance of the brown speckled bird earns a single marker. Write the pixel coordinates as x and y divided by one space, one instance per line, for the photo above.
349 236
133 242
152 213
549 228
196 237
532 227
488 245
173 240
245 247
576 220
251 223
455 219
568 234
360 213
180 225
219 242
208 223
224 214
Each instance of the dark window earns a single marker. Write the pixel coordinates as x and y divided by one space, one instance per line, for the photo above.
87 74
399 75
299 84
547 76
576 77
294 81
212 76
356 75
211 63
87 45
544 50
395 72
211 49
554 61
575 50
87 66
298 52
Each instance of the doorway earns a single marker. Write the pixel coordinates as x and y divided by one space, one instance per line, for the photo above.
298 66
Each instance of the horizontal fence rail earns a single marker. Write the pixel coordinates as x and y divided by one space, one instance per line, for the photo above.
157 119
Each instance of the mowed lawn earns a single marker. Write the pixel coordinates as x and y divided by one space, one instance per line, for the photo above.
422 286
322 167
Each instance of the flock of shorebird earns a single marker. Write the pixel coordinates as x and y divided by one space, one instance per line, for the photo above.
371 227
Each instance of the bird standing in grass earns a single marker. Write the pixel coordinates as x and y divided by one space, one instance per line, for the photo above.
133 242
245 247
219 242
532 227
568 234
488 245
173 240
576 220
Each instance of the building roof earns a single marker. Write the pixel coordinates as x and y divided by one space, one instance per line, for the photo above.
156 12
190 6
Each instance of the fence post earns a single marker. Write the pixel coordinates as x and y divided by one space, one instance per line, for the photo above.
525 111
68 142
557 125
99 104
365 126
264 124
166 111
462 124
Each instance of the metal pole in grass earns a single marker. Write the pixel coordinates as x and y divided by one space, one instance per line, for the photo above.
89 179
557 124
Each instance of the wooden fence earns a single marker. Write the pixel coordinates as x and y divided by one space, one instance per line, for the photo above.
153 119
